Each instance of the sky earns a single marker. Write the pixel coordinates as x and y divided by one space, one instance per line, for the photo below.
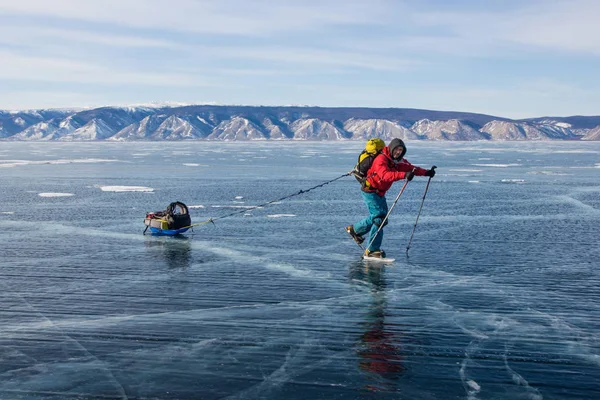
509 58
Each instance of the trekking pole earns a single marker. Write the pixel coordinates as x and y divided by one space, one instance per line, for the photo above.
388 214
419 214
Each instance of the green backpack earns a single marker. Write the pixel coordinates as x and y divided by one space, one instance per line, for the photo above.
365 159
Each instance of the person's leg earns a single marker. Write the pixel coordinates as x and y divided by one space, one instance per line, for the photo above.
363 226
378 209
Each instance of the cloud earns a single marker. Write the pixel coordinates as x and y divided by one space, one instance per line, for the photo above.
558 25
48 69
16 34
319 58
561 26
554 25
36 99
235 17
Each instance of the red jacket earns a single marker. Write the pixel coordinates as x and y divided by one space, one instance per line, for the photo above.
385 171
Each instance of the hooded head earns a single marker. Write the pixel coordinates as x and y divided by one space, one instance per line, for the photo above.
395 143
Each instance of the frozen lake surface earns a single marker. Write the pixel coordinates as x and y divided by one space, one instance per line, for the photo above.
499 299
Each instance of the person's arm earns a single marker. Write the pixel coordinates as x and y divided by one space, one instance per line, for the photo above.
406 166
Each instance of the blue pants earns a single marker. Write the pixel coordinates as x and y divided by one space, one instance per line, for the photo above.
378 209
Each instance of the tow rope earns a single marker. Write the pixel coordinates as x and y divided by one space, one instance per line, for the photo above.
211 220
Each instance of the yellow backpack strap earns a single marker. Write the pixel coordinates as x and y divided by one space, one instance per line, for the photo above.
362 156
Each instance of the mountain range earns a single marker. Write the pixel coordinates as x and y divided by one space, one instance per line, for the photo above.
237 123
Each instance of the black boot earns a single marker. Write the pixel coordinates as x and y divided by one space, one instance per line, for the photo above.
357 238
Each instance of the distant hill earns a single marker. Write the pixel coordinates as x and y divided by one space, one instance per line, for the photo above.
243 123
576 122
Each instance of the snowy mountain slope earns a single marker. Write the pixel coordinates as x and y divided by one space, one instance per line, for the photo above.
315 129
65 127
447 130
13 123
38 131
140 130
504 130
237 128
176 128
593 134
96 129
574 122
276 130
370 128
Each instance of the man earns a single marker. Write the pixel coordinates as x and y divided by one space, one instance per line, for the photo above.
388 167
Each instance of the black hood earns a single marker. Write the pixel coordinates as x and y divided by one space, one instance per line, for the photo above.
395 143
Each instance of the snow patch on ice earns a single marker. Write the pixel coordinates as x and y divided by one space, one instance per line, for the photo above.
575 152
20 163
191 165
547 173
474 182
196 206
513 181
280 215
497 165
55 194
6 212
230 206
459 175
125 189
239 197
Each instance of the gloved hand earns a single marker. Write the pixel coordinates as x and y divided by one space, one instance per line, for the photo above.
409 175
430 173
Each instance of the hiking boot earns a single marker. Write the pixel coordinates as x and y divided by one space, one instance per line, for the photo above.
375 253
357 238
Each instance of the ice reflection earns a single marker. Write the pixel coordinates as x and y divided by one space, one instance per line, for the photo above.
379 348
176 250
